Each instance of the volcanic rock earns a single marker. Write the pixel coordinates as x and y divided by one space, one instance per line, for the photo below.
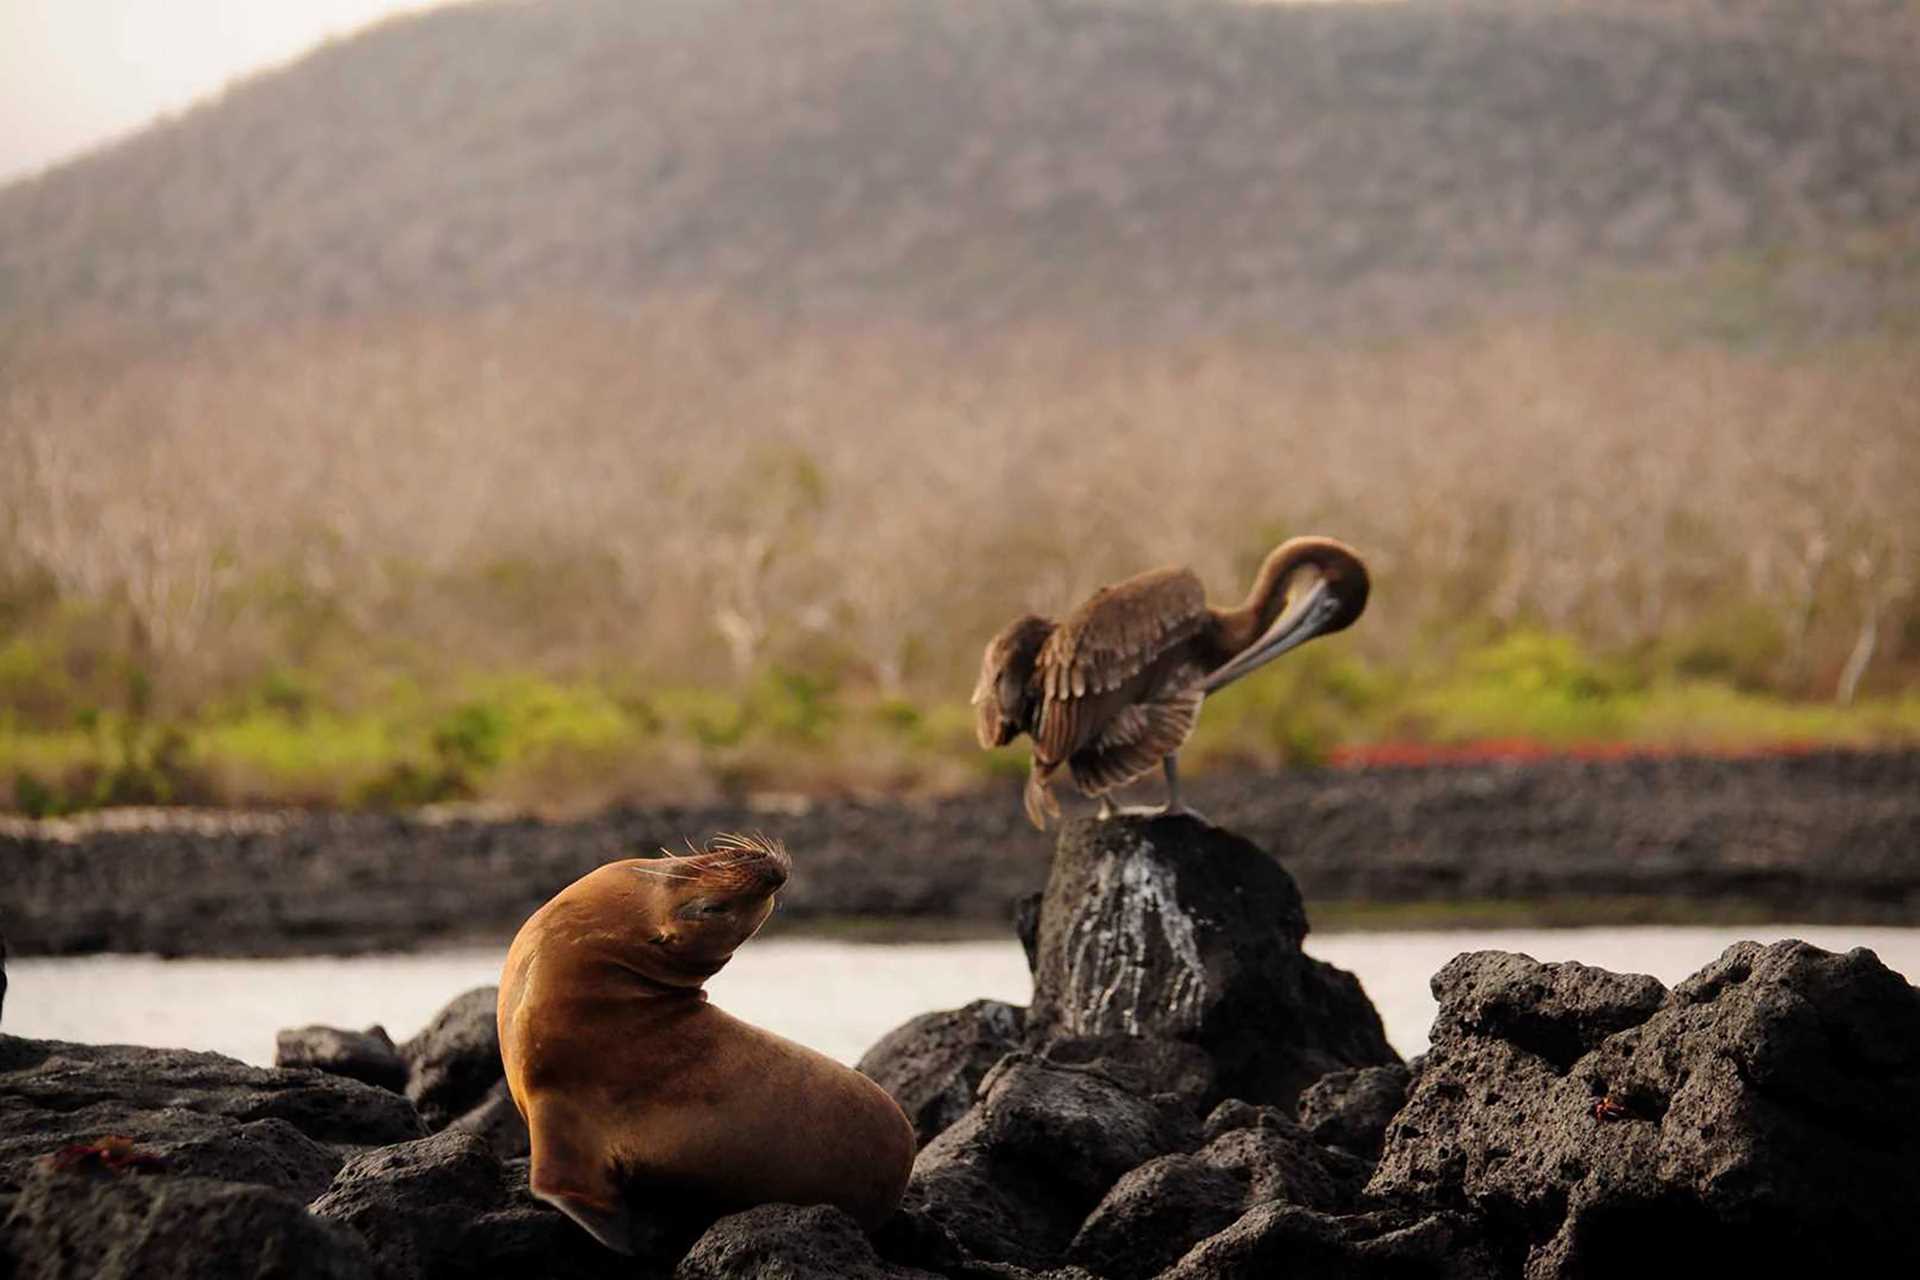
368 1056
1012 1179
786 1242
455 1059
162 1226
1351 1109
1170 927
497 1121
1765 1117
204 1113
446 1208
1280 1239
933 1064
1158 1211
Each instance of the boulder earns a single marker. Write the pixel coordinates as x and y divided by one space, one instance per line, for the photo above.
1012 1179
455 1059
1764 1117
497 1120
1351 1109
1158 1211
205 1114
162 1226
786 1242
413 1202
446 1208
1279 1239
933 1064
1173 928
368 1056
1171 1071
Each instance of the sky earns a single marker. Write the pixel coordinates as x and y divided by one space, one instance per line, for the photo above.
77 73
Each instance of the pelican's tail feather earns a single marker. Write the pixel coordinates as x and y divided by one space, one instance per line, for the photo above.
1039 796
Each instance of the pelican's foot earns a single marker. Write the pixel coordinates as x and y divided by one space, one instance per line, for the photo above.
1106 809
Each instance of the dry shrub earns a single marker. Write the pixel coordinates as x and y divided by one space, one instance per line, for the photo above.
680 493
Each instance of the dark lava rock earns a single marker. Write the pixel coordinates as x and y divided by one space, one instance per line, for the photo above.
368 1056
160 1226
933 1064
1170 927
1158 1211
1765 1118
1558 1011
786 1242
1351 1109
1012 1179
412 1202
497 1121
205 1113
455 1060
526 1237
1301 1244
446 1208
1151 1066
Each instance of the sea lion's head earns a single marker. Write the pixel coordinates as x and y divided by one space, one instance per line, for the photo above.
703 905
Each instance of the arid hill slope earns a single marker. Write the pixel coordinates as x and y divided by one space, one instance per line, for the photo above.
1128 167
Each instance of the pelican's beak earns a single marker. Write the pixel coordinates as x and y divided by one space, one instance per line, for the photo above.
1305 617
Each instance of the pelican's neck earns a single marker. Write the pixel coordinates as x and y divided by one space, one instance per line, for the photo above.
1240 627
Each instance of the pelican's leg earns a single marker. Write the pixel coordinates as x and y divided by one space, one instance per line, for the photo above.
1174 807
1106 807
1172 767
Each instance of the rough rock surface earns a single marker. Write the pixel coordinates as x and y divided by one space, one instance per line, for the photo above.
786 1242
1012 1180
1170 927
1351 1109
1159 1210
368 1056
1279 1239
205 1113
446 1208
455 1060
163 1226
496 1120
933 1064
1764 1116
1825 836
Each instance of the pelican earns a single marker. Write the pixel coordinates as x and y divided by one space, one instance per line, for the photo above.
1115 689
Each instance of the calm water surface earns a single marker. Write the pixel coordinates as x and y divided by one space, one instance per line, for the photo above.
838 997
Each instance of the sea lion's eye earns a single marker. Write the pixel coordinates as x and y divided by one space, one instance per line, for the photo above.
715 909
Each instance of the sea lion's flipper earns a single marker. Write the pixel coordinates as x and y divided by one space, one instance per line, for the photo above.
571 1172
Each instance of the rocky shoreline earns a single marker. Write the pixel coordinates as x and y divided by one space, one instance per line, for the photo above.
1825 837
1189 1096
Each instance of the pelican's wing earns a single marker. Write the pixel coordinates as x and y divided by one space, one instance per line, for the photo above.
1010 656
1134 742
1105 645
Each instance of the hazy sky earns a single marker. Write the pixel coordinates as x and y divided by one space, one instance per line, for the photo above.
74 73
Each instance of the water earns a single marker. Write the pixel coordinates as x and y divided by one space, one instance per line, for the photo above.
838 997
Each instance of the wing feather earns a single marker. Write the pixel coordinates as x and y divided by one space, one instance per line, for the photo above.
1107 643
1134 742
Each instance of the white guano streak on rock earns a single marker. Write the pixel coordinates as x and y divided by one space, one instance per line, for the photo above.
1106 986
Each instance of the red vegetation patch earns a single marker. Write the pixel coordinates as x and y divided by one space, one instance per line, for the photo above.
112 1154
1490 750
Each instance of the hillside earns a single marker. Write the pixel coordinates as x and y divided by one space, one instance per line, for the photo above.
1130 167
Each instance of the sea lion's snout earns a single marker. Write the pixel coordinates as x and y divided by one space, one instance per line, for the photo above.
707 903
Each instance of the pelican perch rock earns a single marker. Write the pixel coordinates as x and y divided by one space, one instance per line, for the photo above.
1116 688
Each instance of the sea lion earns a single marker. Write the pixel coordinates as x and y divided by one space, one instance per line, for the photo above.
632 1084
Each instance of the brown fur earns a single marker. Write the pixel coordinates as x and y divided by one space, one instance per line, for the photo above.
630 1081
